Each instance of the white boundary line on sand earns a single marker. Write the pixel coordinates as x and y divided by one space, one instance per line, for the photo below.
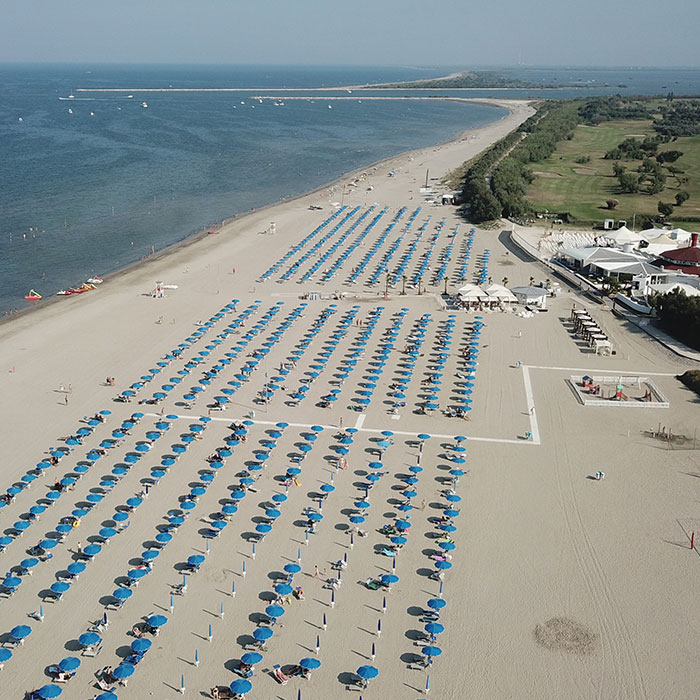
608 371
530 400
444 436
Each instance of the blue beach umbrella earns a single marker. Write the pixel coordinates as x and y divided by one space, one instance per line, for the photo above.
122 593
434 628
157 620
251 657
241 686
310 663
274 610
437 603
123 671
49 691
92 549
283 589
262 633
367 672
292 568
141 645
88 639
70 663
77 567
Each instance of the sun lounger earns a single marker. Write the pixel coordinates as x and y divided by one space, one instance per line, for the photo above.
281 678
92 650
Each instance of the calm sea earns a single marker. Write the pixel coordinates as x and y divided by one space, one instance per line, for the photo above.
101 179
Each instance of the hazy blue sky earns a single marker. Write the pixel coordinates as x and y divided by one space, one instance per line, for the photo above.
386 32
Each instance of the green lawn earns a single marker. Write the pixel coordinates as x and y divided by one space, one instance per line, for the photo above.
581 189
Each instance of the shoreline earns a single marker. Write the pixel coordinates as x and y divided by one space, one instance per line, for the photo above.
199 236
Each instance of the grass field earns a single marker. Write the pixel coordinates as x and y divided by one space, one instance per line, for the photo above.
563 185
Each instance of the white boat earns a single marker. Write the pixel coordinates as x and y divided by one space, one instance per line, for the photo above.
144 104
92 114
20 119
129 97
70 111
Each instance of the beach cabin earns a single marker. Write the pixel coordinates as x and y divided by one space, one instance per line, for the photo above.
531 296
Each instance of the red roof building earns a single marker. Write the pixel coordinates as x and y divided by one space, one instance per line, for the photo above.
684 259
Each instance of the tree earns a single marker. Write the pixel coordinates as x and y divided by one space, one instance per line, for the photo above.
611 285
618 169
682 197
485 207
669 156
665 209
611 203
629 183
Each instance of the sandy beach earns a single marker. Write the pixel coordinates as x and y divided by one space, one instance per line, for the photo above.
560 585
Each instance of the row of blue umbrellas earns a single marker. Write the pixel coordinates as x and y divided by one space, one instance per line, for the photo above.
336 244
299 246
383 265
337 264
374 248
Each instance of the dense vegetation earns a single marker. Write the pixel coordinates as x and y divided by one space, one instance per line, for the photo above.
679 316
631 150
469 79
681 118
604 109
496 183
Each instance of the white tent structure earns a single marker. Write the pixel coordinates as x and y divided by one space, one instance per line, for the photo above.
472 292
531 296
624 236
501 293
680 235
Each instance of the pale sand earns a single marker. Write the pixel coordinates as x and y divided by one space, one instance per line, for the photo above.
536 539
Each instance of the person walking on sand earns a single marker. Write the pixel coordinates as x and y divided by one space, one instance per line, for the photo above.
65 399
423 503
70 388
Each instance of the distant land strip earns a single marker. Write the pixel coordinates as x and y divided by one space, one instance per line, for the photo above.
316 89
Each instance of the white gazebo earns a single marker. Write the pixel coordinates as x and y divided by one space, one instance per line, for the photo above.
472 292
531 296
501 293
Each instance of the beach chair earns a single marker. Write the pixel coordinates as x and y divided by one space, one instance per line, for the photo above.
92 650
373 584
279 676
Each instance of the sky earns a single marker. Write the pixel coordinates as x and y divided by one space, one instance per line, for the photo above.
353 32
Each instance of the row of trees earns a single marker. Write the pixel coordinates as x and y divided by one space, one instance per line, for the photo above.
496 182
679 316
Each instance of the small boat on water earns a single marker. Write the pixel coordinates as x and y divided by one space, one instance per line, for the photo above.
144 104
33 296
95 280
